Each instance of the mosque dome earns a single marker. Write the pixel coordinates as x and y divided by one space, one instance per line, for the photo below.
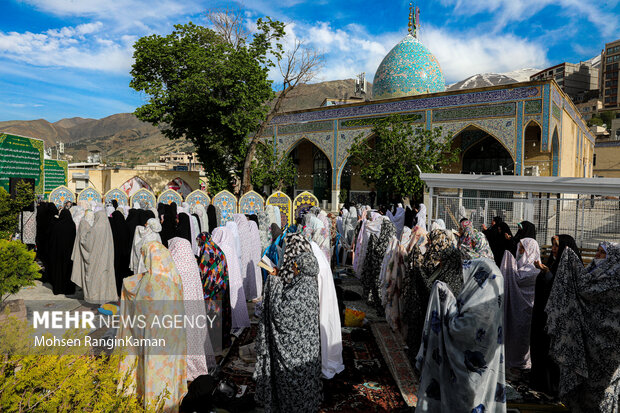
409 69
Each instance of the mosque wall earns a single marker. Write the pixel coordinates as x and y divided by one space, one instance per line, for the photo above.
105 179
504 112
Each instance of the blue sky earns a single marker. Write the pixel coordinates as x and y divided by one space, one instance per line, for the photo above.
65 58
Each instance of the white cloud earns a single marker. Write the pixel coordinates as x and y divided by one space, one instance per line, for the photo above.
465 54
351 50
122 13
77 47
507 11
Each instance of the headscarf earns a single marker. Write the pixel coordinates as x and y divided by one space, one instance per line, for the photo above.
398 219
564 241
212 218
275 232
215 283
421 216
169 224
122 248
497 240
472 243
143 235
519 288
183 229
62 238
460 358
263 228
93 260
583 322
409 217
545 374
199 348
438 224
296 244
224 238
203 216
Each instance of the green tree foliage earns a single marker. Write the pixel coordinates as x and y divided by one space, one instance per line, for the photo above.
17 267
32 380
204 87
390 163
11 208
595 120
270 170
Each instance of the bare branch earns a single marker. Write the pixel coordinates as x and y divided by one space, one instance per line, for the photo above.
228 22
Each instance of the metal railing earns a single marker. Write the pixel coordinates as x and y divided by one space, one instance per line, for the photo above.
589 219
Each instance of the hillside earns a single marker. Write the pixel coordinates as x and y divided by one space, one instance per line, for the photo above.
124 138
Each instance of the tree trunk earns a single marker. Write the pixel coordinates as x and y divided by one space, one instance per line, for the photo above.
246 183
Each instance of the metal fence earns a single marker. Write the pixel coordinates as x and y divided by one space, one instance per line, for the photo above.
589 219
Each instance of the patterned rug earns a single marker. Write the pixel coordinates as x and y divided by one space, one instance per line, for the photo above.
365 385
392 349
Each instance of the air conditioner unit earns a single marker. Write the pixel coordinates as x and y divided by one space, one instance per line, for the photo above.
531 171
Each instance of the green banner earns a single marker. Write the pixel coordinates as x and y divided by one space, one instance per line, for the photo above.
56 174
21 157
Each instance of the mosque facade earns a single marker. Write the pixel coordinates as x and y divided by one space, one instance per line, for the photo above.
528 128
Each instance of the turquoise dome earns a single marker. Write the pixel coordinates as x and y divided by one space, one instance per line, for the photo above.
408 69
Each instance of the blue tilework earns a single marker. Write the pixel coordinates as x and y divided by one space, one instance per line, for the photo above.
117 195
228 205
408 69
251 203
169 196
90 194
519 160
61 195
144 195
413 104
198 197
545 129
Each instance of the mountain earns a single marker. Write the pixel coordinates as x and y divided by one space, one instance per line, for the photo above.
308 96
493 79
123 137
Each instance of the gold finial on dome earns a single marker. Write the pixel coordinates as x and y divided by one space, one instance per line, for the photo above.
410 18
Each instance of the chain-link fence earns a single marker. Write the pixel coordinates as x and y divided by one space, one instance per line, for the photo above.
589 218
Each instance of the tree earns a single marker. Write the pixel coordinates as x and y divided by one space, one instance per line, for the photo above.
390 162
11 208
298 65
595 120
17 268
270 170
208 88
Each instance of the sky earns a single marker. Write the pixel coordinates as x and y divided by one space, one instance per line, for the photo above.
67 58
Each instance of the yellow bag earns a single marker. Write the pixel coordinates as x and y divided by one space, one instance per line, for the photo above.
353 318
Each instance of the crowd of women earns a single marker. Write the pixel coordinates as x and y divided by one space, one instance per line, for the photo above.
190 255
473 306
477 306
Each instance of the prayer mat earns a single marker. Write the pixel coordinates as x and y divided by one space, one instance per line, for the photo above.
365 385
392 349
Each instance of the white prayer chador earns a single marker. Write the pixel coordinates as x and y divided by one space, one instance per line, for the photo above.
398 219
143 235
421 217
200 210
223 238
199 349
250 255
519 285
331 337
93 260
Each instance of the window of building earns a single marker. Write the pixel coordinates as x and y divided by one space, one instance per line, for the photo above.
613 50
612 59
594 160
550 72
